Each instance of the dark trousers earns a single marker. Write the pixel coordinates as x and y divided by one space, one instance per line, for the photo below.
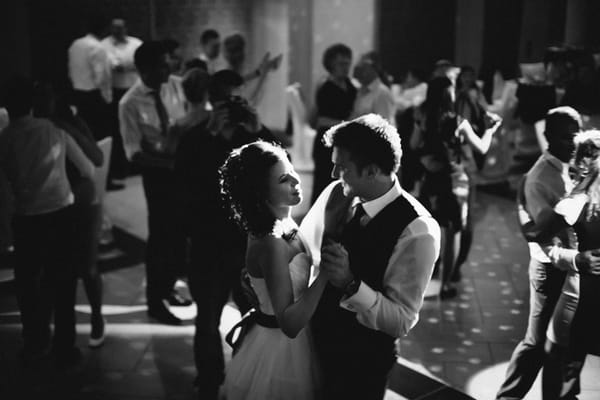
354 374
528 357
562 368
46 279
165 248
94 111
215 274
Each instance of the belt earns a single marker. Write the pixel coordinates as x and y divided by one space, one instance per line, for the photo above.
253 317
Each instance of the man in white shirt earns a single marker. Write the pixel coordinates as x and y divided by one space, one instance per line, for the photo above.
210 41
146 113
120 48
373 96
90 73
378 245
545 184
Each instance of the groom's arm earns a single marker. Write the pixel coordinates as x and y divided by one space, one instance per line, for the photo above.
396 310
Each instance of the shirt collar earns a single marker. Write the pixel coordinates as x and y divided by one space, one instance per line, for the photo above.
373 207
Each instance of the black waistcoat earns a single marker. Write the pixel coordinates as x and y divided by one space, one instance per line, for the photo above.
336 331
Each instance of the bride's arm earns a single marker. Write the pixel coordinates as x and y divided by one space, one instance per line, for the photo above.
291 315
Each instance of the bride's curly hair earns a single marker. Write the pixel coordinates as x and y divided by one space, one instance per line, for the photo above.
244 185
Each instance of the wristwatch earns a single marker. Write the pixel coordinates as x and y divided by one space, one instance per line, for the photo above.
352 287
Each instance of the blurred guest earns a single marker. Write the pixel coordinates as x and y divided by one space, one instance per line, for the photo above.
411 95
412 92
334 101
146 114
217 244
573 332
87 209
373 96
32 156
194 63
210 41
444 141
544 185
234 47
174 56
120 48
90 73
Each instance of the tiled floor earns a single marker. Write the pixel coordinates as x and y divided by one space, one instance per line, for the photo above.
464 342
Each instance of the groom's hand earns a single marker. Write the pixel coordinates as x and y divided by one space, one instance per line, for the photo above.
335 264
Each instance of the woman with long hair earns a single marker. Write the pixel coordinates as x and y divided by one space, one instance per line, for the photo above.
276 359
445 142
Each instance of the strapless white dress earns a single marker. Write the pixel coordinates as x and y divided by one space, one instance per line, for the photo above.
269 365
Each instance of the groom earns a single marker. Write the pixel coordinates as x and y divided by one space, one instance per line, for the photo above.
378 246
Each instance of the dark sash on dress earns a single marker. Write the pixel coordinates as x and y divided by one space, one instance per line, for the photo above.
252 317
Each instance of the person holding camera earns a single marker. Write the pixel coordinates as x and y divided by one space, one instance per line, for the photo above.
217 246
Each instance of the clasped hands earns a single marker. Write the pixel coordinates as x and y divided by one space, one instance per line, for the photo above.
335 265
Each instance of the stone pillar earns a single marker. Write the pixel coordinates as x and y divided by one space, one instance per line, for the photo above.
575 24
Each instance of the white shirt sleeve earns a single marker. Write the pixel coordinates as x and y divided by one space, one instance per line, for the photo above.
130 131
102 69
396 310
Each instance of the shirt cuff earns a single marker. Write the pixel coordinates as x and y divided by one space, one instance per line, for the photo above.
363 300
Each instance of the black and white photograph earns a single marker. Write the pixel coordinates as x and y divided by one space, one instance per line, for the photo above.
300 199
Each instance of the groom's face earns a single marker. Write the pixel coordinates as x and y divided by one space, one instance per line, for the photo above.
344 168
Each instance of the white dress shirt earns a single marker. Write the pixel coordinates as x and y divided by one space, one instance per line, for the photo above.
546 183
395 310
213 64
89 66
120 54
138 118
375 98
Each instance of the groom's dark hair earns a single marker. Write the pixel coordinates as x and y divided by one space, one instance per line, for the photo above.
369 139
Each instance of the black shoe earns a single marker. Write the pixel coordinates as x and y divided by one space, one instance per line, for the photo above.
162 314
448 292
177 300
113 186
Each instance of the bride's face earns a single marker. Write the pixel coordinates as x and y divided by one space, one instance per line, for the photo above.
283 185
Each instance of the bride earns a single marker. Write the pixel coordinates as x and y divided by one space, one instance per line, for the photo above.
276 359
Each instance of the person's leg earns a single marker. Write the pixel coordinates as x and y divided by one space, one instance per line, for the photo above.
62 276
89 222
528 357
206 282
29 242
159 276
448 257
560 376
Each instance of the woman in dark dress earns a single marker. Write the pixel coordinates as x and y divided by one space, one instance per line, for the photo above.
444 142
335 100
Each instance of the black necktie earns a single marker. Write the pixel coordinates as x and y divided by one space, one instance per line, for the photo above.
359 212
163 116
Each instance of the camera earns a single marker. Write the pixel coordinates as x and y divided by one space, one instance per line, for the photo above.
239 110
